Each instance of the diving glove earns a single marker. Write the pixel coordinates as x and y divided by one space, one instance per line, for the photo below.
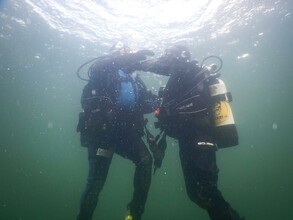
142 54
158 150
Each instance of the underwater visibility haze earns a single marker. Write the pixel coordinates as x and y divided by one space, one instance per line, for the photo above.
42 43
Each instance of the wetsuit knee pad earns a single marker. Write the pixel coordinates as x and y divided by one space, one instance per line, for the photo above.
107 153
199 197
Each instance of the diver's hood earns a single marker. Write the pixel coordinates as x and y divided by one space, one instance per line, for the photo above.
177 52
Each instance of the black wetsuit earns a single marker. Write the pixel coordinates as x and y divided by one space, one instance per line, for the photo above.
108 128
193 132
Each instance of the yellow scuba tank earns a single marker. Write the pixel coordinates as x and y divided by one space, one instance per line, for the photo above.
225 130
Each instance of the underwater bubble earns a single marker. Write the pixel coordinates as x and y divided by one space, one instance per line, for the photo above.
243 56
50 124
94 92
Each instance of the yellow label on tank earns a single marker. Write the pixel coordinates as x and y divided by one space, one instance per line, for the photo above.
222 113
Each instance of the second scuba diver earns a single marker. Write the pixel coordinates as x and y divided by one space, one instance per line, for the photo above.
195 110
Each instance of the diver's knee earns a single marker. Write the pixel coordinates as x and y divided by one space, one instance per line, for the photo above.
145 161
199 198
107 153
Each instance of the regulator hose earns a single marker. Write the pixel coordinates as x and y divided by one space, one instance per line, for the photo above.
84 64
214 68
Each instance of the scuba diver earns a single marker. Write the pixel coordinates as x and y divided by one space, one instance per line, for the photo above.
114 102
195 110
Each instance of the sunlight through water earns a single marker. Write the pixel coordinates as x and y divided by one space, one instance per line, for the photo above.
142 20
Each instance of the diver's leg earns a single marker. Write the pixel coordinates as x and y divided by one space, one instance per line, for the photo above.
201 175
137 151
99 162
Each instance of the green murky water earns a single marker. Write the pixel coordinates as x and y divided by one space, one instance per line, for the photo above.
43 168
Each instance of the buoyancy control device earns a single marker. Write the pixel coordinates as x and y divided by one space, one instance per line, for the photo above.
218 110
127 95
115 92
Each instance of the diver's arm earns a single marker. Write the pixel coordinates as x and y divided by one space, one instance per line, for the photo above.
85 96
128 62
155 66
165 67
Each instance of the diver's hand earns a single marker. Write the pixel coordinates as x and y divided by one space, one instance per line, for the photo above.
142 54
158 155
